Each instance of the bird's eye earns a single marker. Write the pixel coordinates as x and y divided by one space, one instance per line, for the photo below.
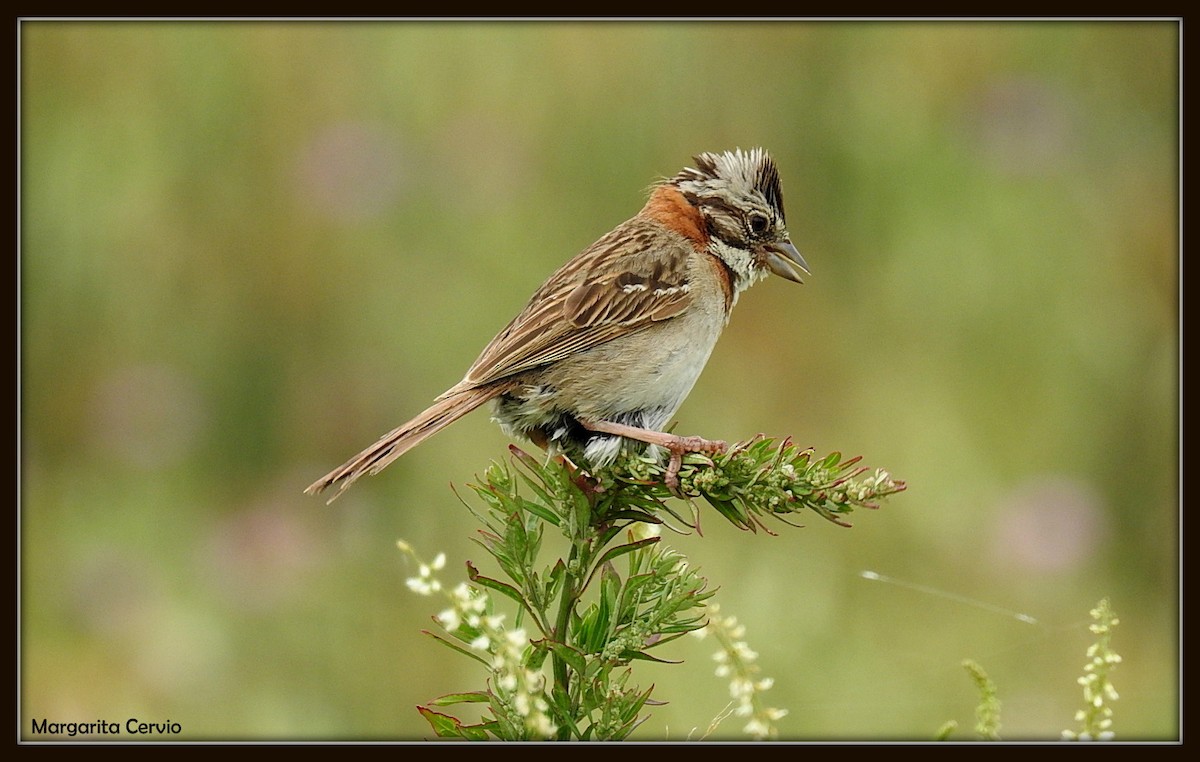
758 223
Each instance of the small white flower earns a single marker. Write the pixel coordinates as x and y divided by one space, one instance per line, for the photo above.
756 728
744 651
449 619
480 643
439 561
540 724
516 638
521 702
418 585
534 680
740 687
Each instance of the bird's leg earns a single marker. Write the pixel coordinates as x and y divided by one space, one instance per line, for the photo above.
674 444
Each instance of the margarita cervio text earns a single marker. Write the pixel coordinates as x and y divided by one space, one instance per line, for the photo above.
133 727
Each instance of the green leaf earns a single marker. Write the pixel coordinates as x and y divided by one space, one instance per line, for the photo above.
537 655
831 460
574 659
610 591
490 726
618 551
627 607
494 584
554 583
476 732
635 706
564 714
446 726
675 515
515 534
729 510
643 656
539 490
591 629
456 647
543 513
523 458
632 515
674 634
474 697
582 507
606 534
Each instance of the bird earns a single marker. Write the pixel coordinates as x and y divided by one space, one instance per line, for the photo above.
605 351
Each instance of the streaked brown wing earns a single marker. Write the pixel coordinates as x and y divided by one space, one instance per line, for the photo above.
622 283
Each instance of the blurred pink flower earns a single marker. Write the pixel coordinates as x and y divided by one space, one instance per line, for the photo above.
147 415
350 171
261 556
1052 524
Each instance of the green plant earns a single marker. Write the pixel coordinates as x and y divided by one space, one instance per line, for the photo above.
987 713
1096 714
1098 690
617 594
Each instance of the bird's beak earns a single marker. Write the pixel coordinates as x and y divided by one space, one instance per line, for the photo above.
786 262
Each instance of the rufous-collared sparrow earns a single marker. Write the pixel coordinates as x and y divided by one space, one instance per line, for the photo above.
608 348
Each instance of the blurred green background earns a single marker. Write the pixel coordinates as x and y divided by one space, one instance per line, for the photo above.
250 248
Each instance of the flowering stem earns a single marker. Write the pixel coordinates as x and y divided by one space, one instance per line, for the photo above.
641 594
562 675
1098 690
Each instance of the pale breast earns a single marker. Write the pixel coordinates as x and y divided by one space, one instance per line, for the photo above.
652 370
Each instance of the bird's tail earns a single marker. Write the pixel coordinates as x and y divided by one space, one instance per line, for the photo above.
448 409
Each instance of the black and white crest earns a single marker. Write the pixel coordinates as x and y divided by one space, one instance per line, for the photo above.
734 173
